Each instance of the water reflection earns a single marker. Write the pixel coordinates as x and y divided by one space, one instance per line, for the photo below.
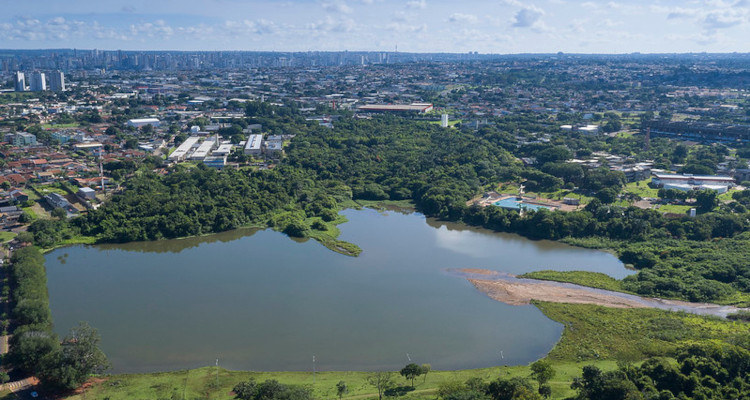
260 301
177 245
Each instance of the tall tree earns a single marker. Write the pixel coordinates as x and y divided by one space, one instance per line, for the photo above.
706 200
426 368
542 371
411 371
382 381
245 390
341 389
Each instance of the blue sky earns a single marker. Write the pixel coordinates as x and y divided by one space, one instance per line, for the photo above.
499 26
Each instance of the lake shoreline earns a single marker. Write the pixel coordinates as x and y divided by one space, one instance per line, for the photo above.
154 269
512 290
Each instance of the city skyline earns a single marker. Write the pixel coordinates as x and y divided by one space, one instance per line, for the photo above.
503 26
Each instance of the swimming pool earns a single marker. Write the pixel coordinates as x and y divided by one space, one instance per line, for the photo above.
515 204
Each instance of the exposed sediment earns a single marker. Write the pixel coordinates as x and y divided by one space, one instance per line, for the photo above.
511 290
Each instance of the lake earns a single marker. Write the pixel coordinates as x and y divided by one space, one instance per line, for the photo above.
257 300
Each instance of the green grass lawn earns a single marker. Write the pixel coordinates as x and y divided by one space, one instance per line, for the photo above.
31 212
625 134
674 209
202 383
556 195
47 189
78 239
641 189
585 278
32 195
726 197
561 194
7 236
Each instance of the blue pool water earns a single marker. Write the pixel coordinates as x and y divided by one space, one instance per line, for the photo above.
512 202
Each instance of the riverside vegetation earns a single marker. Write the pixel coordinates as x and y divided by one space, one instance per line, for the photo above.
34 347
394 159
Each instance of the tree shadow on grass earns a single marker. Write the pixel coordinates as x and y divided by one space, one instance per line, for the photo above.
398 391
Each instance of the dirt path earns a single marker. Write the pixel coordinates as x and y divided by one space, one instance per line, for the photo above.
517 291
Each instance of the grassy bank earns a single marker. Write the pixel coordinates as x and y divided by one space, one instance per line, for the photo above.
591 279
328 237
382 205
601 333
593 335
201 383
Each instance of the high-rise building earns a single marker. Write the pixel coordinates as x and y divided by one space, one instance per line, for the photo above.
57 81
20 82
38 82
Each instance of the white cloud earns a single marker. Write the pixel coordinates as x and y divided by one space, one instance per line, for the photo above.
578 26
250 27
419 4
330 24
719 14
197 32
678 13
528 17
610 23
723 19
158 29
402 27
337 7
463 18
59 29
401 16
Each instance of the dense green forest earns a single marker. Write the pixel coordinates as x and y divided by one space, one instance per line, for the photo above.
34 346
439 170
702 372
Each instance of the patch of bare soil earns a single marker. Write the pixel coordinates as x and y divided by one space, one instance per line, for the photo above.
520 293
89 384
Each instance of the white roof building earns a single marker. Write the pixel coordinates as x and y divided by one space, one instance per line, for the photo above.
181 152
223 150
589 129
139 122
203 149
252 146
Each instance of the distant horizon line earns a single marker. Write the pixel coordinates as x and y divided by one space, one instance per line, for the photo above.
473 53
